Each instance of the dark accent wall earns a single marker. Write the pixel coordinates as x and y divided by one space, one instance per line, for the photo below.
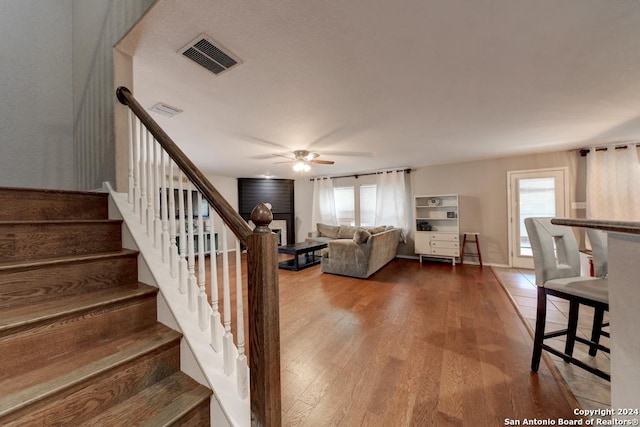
278 192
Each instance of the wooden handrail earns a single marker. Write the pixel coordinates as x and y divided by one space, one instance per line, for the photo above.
236 223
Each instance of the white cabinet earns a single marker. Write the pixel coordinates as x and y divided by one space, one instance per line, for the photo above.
437 224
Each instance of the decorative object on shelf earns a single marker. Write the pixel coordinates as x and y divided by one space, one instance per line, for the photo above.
424 226
451 214
434 201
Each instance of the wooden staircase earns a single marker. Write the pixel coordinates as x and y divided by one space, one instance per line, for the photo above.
79 339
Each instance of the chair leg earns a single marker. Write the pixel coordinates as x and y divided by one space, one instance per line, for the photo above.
574 307
596 331
541 316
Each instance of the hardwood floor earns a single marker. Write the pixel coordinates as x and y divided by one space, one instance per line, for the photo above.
415 345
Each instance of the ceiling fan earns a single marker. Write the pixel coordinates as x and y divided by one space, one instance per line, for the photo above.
302 160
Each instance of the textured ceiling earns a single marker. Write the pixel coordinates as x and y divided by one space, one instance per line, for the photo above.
374 84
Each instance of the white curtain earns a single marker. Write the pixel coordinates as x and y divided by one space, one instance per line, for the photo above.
613 177
324 203
391 201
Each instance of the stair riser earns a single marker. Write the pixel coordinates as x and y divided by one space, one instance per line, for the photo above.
28 205
34 347
198 417
37 241
79 403
30 286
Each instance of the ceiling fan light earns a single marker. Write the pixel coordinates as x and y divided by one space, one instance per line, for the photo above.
301 166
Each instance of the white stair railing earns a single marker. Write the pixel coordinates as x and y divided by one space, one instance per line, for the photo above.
153 184
186 236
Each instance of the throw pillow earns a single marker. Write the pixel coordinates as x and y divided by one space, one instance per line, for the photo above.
378 229
361 236
346 232
328 230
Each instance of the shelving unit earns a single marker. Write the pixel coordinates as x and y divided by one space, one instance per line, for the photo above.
437 222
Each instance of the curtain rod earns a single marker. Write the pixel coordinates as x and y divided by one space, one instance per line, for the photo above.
585 151
357 175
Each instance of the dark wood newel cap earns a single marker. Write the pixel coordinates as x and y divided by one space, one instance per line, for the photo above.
261 217
120 95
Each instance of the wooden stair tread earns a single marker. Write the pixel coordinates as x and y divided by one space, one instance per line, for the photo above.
61 191
27 315
74 368
161 404
61 222
44 262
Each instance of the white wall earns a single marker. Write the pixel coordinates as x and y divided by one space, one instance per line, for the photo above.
36 112
482 188
50 49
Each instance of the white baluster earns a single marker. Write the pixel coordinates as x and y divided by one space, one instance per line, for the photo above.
164 241
173 249
143 173
151 181
130 193
157 224
227 341
191 283
136 169
203 305
216 326
242 371
182 264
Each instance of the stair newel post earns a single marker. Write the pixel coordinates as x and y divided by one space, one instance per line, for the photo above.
264 322
203 310
136 168
131 181
173 249
164 240
182 264
242 373
152 180
216 326
191 282
143 177
227 339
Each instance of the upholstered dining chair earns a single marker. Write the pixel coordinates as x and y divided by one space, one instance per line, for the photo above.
598 240
557 268
599 256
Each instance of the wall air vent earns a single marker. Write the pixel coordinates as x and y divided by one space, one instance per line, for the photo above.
165 110
209 54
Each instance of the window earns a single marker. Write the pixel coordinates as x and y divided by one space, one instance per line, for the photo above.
356 211
345 205
367 205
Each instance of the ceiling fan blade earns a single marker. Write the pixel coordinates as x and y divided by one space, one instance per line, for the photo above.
348 153
323 162
286 161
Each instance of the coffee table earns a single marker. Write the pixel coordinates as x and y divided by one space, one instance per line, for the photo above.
303 255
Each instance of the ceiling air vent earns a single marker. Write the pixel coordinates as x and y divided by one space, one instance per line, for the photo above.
165 110
209 54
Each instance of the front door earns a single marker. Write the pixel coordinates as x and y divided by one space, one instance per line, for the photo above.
533 193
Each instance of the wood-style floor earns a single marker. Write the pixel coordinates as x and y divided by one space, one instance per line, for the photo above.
415 345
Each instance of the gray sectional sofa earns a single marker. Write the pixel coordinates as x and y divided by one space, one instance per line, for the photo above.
356 252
